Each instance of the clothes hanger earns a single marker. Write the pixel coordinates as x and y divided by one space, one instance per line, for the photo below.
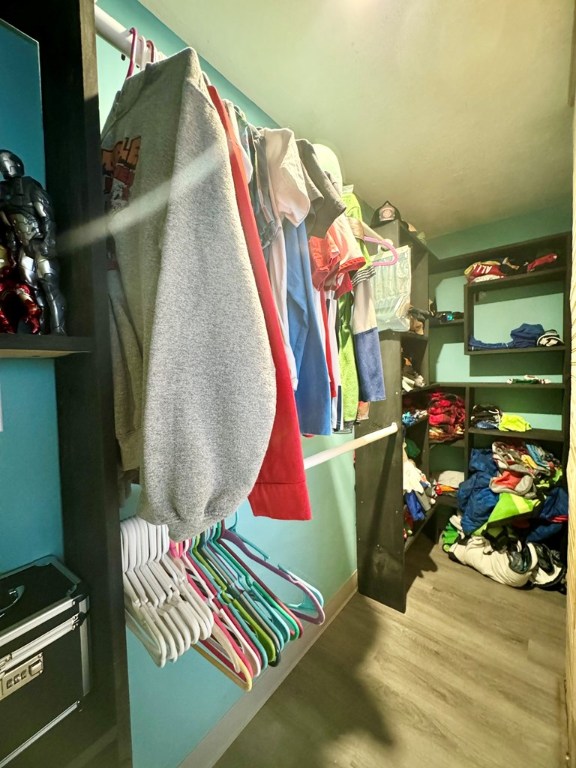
223 647
225 613
257 587
132 63
167 617
224 594
230 567
160 603
152 48
250 611
315 614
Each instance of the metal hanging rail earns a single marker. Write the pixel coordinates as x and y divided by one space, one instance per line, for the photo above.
330 453
114 33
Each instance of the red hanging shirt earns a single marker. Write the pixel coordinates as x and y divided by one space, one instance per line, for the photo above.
280 491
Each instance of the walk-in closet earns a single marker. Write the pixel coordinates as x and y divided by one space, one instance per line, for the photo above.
286 436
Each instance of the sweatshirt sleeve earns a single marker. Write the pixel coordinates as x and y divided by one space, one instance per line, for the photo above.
210 381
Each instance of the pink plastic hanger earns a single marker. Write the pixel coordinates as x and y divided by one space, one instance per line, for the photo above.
133 46
152 48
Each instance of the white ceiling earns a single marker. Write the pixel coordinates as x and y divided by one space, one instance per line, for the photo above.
455 110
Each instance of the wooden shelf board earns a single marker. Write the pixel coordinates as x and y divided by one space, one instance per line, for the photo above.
446 325
460 443
516 350
31 346
555 435
415 424
387 334
496 385
419 528
556 274
446 500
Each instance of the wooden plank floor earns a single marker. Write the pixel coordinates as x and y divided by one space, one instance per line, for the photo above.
470 677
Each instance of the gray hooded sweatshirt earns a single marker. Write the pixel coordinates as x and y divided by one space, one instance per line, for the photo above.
194 382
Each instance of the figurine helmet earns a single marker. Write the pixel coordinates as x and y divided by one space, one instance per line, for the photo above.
10 164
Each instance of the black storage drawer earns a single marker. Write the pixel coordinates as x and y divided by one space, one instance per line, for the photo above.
44 653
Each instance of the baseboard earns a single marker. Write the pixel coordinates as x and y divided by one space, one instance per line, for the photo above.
227 730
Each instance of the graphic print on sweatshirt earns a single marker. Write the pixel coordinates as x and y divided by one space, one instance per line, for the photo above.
119 169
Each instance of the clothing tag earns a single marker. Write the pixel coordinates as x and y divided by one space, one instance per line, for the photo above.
347 189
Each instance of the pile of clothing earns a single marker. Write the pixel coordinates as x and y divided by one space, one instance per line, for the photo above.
525 336
448 482
489 416
446 416
513 513
495 269
412 412
419 495
411 379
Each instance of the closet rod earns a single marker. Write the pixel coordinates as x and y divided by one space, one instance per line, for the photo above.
330 453
114 33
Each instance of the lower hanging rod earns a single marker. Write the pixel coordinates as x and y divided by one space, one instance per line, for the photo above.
330 453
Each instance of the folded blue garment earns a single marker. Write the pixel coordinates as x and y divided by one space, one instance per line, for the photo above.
485 425
474 343
526 335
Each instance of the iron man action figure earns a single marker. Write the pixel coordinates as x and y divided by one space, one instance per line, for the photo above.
26 213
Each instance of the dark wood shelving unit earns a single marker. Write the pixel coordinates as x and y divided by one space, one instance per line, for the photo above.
552 275
552 435
30 346
450 324
516 350
445 500
526 249
450 443
98 734
416 423
532 279
419 528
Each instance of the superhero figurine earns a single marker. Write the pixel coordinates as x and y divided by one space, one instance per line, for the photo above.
26 213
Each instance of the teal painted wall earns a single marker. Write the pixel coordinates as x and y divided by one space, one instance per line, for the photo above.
175 707
30 508
528 226
496 314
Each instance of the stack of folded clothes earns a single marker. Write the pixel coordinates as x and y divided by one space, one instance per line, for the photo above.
482 271
419 496
485 417
448 482
412 414
411 379
446 417
526 335
511 422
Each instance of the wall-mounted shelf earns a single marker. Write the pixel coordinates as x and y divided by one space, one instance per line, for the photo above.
516 350
460 443
415 423
386 334
533 279
419 528
32 346
446 500
555 435
450 324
